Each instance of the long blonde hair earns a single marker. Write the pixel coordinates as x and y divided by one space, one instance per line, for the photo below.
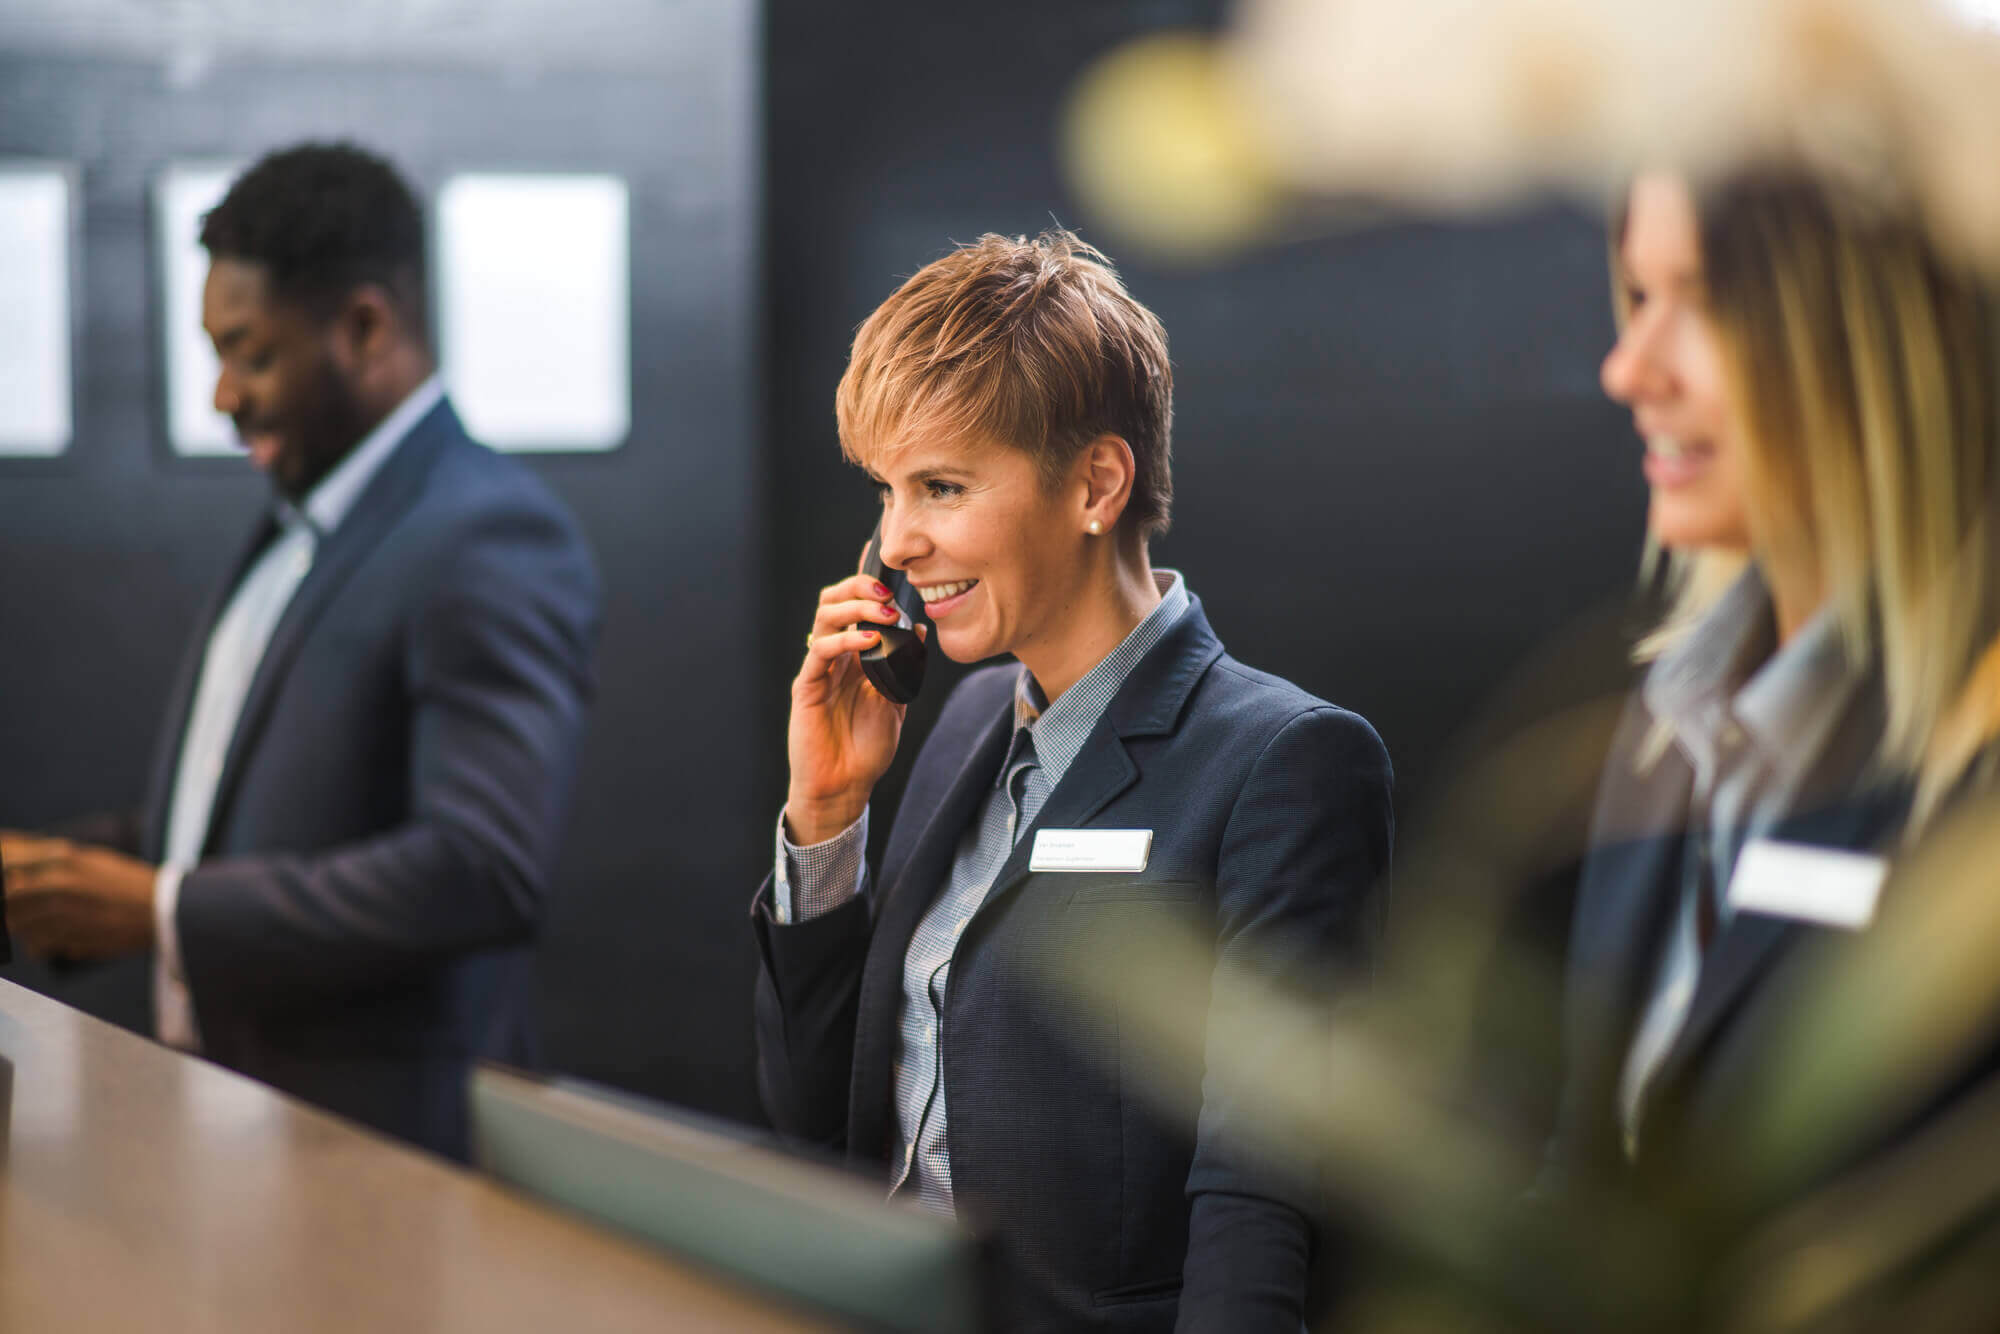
1863 369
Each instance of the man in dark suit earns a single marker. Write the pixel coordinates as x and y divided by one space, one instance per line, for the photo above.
345 852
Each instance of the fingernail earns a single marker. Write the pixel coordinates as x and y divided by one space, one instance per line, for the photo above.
881 590
870 635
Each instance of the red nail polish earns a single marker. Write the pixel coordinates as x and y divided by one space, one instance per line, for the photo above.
881 590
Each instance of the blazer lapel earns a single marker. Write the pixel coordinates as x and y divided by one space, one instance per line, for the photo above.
1148 703
1100 771
1625 910
1630 883
1833 809
922 877
381 504
900 907
1752 943
167 754
1643 883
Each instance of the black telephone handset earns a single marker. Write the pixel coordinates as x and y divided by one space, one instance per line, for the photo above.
895 665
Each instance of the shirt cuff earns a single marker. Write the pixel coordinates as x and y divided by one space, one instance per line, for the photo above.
166 898
812 881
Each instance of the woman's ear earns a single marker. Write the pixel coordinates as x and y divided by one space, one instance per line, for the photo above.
1106 469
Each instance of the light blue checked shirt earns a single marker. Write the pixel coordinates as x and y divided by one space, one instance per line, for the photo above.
819 878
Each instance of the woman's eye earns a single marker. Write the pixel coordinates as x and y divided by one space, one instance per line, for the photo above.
943 490
1635 297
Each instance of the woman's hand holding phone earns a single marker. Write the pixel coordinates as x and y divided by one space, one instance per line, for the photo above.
842 733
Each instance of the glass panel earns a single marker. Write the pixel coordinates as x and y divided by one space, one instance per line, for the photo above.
181 195
534 315
35 296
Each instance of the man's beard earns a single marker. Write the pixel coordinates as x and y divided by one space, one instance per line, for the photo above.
330 423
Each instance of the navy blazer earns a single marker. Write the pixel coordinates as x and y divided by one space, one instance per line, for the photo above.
1109 1207
1696 1171
359 927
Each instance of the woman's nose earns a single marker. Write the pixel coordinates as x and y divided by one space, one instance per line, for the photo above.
1633 369
901 540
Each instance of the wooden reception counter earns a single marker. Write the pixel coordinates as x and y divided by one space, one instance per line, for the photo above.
144 1190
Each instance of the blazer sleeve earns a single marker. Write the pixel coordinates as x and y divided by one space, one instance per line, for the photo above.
1304 862
809 977
497 666
808 995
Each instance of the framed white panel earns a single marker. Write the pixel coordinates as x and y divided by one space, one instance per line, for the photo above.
534 308
181 194
35 329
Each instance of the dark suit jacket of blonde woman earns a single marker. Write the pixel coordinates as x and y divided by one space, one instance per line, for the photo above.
1707 1166
1109 1210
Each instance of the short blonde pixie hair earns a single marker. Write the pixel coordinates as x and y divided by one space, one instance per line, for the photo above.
1032 343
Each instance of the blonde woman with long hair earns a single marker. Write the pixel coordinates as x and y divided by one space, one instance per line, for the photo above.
1814 384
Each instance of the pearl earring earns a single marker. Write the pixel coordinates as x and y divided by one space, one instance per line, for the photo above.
1094 527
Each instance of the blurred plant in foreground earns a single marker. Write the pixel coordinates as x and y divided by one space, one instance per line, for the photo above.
1191 144
1362 1095
1305 110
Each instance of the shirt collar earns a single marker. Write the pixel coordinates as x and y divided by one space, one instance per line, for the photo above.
1059 729
328 503
1792 704
1730 669
1689 686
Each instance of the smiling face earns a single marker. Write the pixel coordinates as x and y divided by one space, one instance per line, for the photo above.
1668 367
996 556
279 380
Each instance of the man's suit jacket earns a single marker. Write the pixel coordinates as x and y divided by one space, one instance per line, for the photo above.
1109 1208
1704 1170
378 858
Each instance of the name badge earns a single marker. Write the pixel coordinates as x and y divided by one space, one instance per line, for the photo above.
1091 850
1825 886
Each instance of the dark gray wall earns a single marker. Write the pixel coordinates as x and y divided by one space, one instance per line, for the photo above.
1396 475
1395 472
107 553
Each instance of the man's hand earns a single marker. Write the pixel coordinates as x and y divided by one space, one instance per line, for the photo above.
74 901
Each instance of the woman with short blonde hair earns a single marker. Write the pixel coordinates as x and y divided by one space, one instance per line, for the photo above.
1013 405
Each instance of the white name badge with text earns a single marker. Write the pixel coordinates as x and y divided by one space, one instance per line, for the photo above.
1825 886
1091 850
